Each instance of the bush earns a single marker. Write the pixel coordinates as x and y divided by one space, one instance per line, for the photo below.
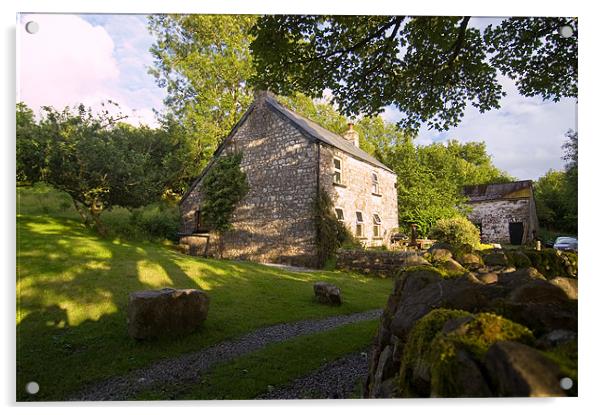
157 221
330 233
457 232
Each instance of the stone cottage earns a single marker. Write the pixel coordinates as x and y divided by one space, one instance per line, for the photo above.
504 212
287 158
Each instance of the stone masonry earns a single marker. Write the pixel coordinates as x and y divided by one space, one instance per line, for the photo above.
286 158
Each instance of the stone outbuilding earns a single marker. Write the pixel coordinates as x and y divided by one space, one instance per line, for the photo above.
287 158
504 212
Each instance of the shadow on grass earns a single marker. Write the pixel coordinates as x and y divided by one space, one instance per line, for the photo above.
72 293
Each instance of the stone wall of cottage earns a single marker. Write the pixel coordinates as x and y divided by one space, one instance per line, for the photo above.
355 194
495 217
274 222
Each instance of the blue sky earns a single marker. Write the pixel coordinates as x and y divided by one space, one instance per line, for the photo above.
91 58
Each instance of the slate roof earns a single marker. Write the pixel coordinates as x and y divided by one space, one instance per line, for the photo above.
320 133
306 126
483 192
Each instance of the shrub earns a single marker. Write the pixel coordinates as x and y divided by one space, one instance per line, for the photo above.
457 232
330 233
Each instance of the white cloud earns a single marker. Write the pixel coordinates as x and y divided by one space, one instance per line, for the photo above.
71 61
524 136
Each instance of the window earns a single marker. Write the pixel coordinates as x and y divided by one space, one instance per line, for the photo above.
340 214
376 225
375 184
338 170
359 224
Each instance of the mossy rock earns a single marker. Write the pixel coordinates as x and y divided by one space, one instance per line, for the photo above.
493 259
552 263
439 271
565 356
435 358
414 374
518 259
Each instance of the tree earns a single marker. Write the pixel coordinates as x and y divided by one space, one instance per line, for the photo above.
556 192
223 187
204 63
430 68
30 146
101 162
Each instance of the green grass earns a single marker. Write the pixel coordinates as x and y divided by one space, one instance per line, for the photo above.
275 365
72 289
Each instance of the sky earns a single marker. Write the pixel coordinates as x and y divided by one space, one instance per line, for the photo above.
93 58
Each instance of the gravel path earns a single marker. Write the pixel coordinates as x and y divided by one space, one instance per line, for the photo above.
188 368
335 380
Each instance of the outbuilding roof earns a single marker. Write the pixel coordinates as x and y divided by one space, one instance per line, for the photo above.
483 192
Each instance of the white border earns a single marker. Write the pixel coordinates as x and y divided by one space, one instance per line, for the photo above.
590 236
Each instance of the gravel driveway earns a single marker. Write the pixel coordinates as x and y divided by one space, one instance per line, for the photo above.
188 368
335 380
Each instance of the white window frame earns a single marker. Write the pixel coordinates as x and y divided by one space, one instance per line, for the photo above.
337 170
376 225
336 211
375 183
359 224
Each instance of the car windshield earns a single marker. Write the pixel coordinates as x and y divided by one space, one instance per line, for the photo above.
565 239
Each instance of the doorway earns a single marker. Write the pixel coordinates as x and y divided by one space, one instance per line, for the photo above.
516 233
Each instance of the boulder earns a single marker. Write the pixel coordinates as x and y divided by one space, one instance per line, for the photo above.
414 261
555 338
166 312
467 380
568 285
538 291
518 370
440 254
452 265
495 259
327 293
488 277
471 259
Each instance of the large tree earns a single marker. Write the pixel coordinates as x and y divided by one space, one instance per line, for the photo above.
430 68
204 62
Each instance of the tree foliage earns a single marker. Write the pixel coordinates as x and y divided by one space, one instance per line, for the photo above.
457 231
94 158
223 187
204 63
430 68
330 233
556 192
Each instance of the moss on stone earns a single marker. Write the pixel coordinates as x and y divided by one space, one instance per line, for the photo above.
518 259
442 273
552 263
565 356
417 348
430 351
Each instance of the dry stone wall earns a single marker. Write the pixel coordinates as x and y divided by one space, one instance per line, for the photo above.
381 263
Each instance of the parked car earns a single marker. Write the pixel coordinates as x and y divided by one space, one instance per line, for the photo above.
566 243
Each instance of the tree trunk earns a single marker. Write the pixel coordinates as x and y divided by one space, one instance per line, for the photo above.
81 212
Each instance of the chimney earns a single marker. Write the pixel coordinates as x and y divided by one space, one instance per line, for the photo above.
352 136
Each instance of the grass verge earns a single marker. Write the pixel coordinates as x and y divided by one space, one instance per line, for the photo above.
275 365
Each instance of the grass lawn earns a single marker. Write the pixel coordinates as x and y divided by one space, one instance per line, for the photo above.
72 289
275 365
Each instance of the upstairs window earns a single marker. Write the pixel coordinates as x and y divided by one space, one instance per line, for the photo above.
359 225
337 165
376 225
340 214
375 184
